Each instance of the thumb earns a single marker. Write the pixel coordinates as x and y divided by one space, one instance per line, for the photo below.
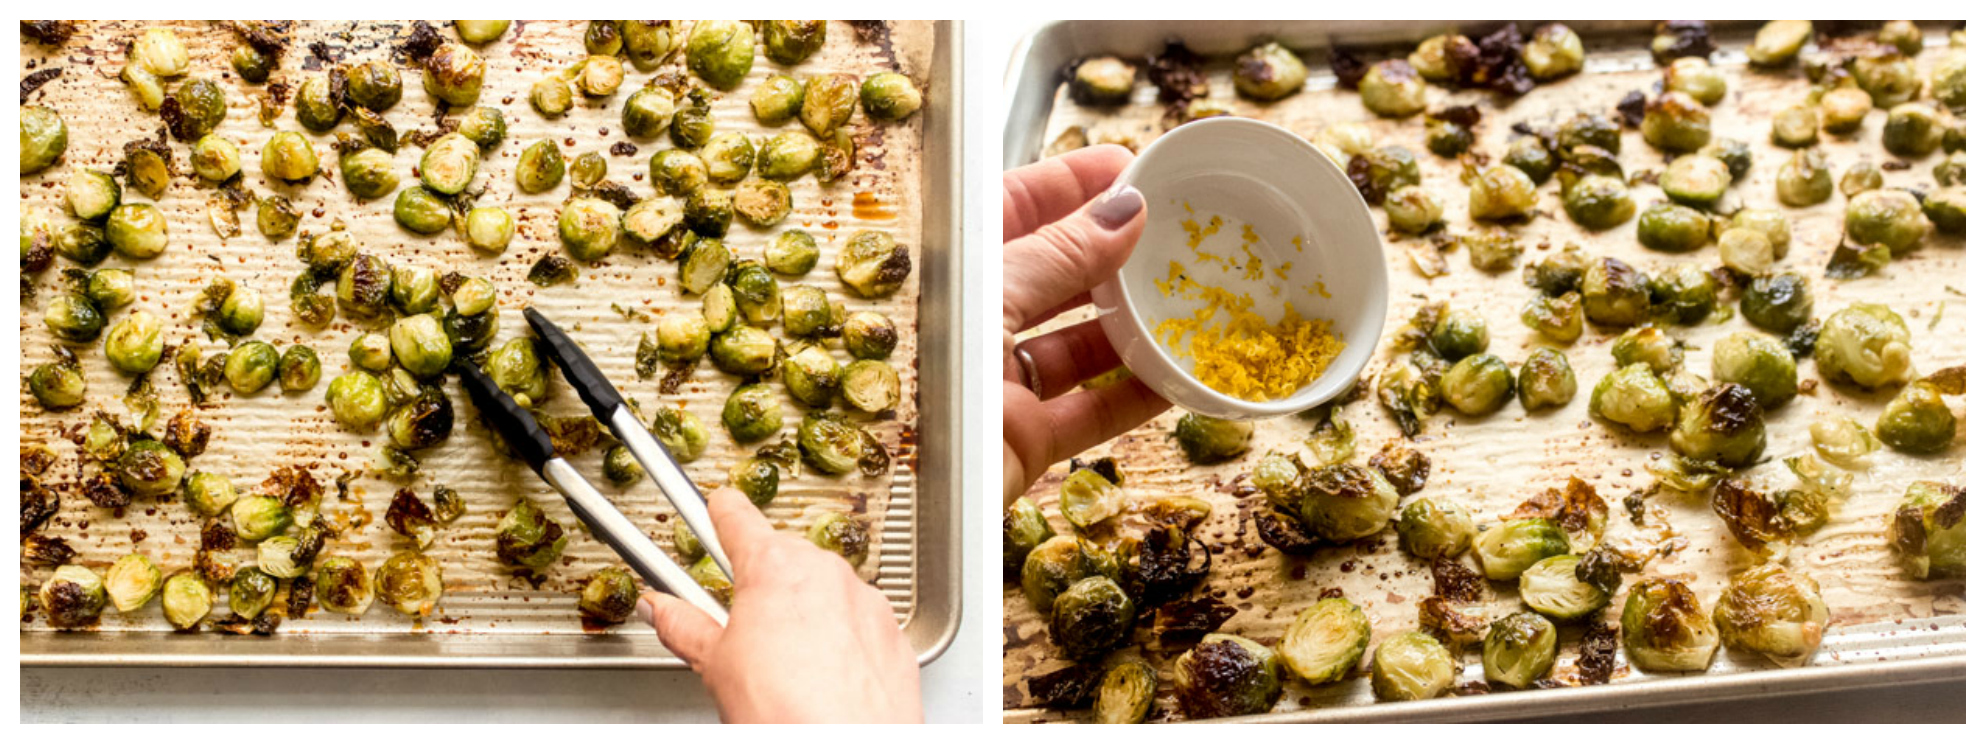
682 628
1052 265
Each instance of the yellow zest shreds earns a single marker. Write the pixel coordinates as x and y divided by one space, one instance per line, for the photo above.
1298 242
1250 359
1317 288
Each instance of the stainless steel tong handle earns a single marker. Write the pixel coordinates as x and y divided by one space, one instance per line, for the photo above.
675 484
612 527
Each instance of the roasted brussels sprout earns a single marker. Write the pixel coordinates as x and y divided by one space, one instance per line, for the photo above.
1927 531
1059 562
728 157
1107 81
454 74
257 517
792 42
837 533
1325 642
1546 380
682 337
707 212
1411 666
744 350
1917 421
131 582
111 288
1519 649
806 312
609 597
1772 222
1805 179
680 432
1435 527
1226 675
1866 344
1772 611
648 112
813 377
828 103
73 597
693 124
680 172
484 126
1022 529
410 582
540 167
43 138
135 344
1842 109
709 576
1948 84
1634 397
1553 52
720 52
757 478
1087 499
1676 122
1694 77
372 352
1344 502
357 401
1125 693
1207 440
526 538
1778 42
873 264
1664 629
602 38
136 231
892 96
251 592
1913 130
1598 202
1393 89
788 155
1271 72
420 345
289 157
1796 127
1448 138
1510 547
58 384
762 203
752 412
1746 252
1889 78
1724 424
251 366
1890 217
869 335
1412 210
1501 192
449 164
91 195
1696 180
870 386
1760 363
1673 228
344 586
1615 294
186 599
318 110
1778 303
73 317
1945 208
369 173
589 228
1477 385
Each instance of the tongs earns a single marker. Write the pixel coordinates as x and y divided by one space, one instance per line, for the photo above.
521 431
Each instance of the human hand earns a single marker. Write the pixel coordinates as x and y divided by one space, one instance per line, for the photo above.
1062 238
808 641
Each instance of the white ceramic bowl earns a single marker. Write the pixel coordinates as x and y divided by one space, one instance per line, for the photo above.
1254 173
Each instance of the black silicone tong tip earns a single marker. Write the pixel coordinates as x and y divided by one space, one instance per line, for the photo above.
586 378
517 426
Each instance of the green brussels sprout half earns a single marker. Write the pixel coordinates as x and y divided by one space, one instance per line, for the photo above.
1758 362
648 112
1529 153
837 533
1435 527
422 423
1778 42
1866 344
1546 380
1904 35
680 432
409 582
828 103
1412 210
752 413
1598 202
589 227
135 344
1696 180
186 599
344 586
257 517
60 384
1615 294
1553 52
540 167
680 172
1087 499
1842 109
1411 666
808 313
1673 228
159 51
73 597
372 352
1927 531
1796 127
720 309
757 478
1771 222
792 42
728 157
518 369
1634 397
147 86
489 229
1325 642
208 494
1477 385
528 539
82 242
788 155
1945 208
1344 502
693 124
1091 617
870 386
369 173
1736 156
1805 180
1676 122
251 366
1501 192
1519 649
812 376
484 126
1779 303
1773 612
289 158
1648 345
762 203
131 582
776 100
136 231
1059 562
1392 89
1889 217
421 211
1125 693
328 253
1561 589
744 350
241 312
73 317
1510 547
44 137
251 64
832 445
869 335
1206 440
1694 77
873 264
1917 421
111 288
620 467
91 195
420 345
720 52
1948 82
892 96
1226 675
1268 72
1664 629
609 597
646 43
357 401
449 164
1022 529
1913 130
454 74
707 212
709 576
682 337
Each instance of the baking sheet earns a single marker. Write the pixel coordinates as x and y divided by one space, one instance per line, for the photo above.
902 184
1493 463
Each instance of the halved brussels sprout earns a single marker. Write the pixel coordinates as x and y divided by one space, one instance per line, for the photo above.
1556 588
91 195
251 366
682 337
757 478
1392 88
1745 251
680 432
420 345
1435 527
357 401
484 126
648 112
369 173
410 582
1796 126
1694 77
1546 380
44 137
869 335
589 228
1913 130
744 350
489 229
1553 52
1207 440
454 74
421 211
1805 180
837 533
1673 228
792 42
708 213
813 377
1917 420
131 582
111 288
250 592
1344 502
1772 611
1269 72
1411 666
1614 293
1512 546
709 576
1226 675
828 103
1866 344
609 597
1676 122
136 343
1412 210
289 158
1696 180
527 538
1946 208
720 309
450 164
873 264
1502 192
344 585
1087 499
1890 217
1842 109
830 444
1125 693
762 203
1598 202
1634 397
59 384
890 96
136 231
1778 303
1058 563
1664 629
186 599
806 312
1927 531
752 412
317 109
73 597
1778 42
1325 642
1022 529
720 52
73 317
1477 385
540 167
788 155
681 172
258 517
1760 363
1519 649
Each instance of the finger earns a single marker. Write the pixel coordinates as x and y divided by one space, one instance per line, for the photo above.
1047 191
1064 427
1064 259
1066 357
685 630
741 528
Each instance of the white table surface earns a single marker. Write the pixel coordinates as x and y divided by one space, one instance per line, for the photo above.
954 688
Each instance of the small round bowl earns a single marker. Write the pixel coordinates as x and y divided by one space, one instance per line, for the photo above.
1257 174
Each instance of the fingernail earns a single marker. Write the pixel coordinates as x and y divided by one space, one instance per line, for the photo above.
646 612
1116 209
